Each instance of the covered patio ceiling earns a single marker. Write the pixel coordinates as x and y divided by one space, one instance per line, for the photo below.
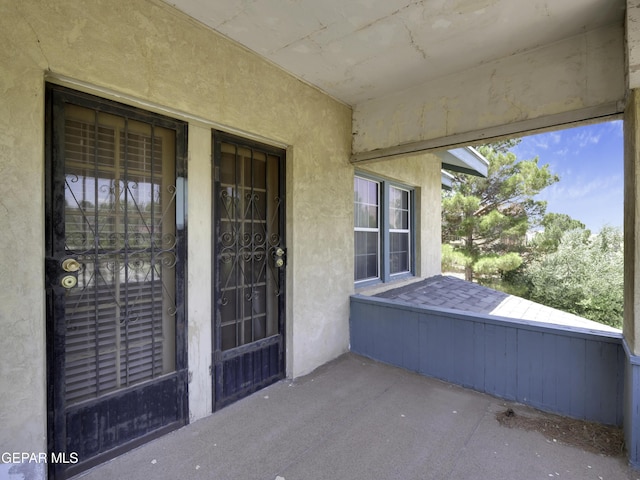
434 75
358 50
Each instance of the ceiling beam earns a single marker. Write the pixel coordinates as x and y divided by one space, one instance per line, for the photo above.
573 80
511 130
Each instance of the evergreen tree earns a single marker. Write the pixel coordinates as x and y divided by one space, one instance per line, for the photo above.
555 225
491 216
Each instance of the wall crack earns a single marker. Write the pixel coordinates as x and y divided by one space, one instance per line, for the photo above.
413 42
38 43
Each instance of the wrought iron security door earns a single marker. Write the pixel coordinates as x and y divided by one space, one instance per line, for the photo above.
115 260
249 269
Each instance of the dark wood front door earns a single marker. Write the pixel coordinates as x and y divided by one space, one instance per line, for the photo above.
249 269
115 255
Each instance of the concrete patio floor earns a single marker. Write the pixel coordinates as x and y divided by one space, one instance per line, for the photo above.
358 419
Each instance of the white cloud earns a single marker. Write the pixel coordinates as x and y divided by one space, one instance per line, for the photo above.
595 203
587 137
540 141
579 189
614 128
556 137
562 152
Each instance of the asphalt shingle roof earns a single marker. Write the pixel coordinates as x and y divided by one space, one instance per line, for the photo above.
453 293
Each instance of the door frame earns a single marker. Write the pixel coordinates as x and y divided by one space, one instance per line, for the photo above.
218 355
55 97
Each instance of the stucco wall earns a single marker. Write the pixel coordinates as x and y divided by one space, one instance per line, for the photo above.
571 80
422 172
147 54
22 342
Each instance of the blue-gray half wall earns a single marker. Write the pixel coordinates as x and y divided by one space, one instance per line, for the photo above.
632 406
569 371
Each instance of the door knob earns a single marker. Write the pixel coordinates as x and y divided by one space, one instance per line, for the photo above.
279 257
68 281
70 265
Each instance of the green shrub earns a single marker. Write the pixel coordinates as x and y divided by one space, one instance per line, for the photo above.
584 276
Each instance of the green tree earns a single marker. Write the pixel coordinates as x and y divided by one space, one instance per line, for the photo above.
502 146
490 216
584 276
555 225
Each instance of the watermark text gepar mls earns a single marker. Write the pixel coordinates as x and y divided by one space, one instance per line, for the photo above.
39 457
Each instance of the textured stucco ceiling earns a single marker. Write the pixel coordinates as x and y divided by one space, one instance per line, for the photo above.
356 50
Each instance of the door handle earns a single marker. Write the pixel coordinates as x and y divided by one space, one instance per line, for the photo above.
70 265
279 257
68 281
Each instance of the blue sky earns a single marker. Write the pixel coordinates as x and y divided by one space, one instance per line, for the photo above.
589 161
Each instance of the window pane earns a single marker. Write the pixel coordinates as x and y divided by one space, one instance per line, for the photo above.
404 221
358 189
398 208
395 218
372 266
399 258
399 242
372 217
365 203
366 258
372 244
359 215
373 192
394 197
360 244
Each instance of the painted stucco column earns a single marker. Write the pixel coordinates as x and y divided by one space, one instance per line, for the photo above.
632 221
631 327
199 272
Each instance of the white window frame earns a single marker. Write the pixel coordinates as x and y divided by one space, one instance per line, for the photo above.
384 231
406 230
367 204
